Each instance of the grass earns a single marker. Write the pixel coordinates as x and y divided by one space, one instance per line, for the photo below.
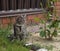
6 45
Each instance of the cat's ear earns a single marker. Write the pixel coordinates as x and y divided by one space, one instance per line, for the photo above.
23 15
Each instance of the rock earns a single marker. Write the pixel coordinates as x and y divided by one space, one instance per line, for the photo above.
42 49
28 44
34 47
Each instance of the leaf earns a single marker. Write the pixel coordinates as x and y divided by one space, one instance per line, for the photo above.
54 33
48 32
42 21
42 33
41 5
54 0
54 24
49 15
36 19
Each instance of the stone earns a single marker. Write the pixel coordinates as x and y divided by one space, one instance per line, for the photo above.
34 47
42 49
28 44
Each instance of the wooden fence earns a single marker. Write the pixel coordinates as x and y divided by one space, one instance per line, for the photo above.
21 4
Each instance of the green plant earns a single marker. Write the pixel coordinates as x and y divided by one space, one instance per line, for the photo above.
4 32
49 31
6 45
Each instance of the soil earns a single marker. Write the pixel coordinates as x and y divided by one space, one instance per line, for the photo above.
36 39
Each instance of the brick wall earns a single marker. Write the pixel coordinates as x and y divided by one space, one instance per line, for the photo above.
5 21
30 18
58 8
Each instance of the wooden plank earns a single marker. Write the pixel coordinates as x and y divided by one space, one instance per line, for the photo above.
0 5
27 4
33 3
30 3
12 2
7 5
22 4
19 4
15 4
38 3
3 5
